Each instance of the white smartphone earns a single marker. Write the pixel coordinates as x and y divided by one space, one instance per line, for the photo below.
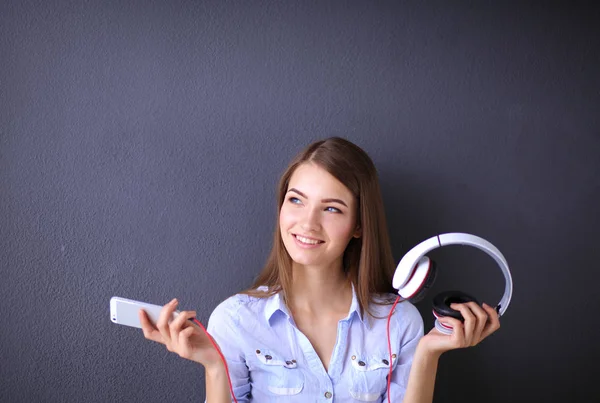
124 311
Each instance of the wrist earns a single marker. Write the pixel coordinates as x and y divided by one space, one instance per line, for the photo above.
214 370
426 353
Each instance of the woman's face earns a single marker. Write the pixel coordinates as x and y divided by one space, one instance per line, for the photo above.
317 218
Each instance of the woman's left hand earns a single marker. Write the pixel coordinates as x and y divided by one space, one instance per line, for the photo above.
480 322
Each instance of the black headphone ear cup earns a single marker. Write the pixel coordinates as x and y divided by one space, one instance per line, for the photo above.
429 280
442 301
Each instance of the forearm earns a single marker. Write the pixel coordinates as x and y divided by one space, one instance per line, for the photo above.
421 381
217 385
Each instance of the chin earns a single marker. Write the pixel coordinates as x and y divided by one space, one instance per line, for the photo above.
302 260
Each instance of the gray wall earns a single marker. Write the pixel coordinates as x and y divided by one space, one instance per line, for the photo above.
141 142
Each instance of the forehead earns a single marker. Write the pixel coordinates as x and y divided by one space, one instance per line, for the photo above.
314 181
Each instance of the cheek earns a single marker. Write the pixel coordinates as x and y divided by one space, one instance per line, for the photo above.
342 231
286 218
282 223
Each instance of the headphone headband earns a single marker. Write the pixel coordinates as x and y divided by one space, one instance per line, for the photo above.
412 257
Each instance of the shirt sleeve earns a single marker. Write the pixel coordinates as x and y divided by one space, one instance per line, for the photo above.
409 326
223 327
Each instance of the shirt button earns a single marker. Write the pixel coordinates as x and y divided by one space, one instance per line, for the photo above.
386 362
268 357
328 395
361 363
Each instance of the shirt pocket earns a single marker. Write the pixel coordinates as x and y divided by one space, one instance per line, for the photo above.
280 374
369 376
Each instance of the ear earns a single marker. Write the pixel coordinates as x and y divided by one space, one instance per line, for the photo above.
357 232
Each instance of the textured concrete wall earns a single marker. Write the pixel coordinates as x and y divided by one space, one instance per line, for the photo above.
141 143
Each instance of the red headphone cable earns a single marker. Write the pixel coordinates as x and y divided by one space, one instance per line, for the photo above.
390 348
196 321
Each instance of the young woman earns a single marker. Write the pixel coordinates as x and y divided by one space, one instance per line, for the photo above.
313 327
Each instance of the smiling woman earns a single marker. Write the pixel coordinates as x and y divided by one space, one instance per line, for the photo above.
333 175
315 323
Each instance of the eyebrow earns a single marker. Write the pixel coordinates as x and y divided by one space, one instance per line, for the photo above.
322 201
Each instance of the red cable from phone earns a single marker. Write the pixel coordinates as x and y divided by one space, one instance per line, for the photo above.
196 321
390 347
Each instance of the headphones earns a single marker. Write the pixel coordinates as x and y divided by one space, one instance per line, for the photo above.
415 273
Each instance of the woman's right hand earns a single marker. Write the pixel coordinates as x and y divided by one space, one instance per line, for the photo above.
181 336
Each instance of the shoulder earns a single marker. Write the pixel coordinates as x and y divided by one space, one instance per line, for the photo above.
236 306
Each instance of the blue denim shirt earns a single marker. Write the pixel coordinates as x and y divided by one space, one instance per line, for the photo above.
270 360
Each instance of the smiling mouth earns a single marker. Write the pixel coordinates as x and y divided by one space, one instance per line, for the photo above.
308 241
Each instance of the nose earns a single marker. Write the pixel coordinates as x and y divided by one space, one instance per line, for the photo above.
311 221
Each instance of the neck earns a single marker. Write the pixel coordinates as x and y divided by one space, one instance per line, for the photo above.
318 291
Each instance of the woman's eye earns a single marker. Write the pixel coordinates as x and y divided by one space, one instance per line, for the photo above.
294 200
333 210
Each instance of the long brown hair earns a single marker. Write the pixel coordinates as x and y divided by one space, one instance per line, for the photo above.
367 260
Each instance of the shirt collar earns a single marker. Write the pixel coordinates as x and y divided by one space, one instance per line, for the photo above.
275 305
355 309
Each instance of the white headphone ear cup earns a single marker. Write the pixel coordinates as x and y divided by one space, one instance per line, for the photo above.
429 280
417 279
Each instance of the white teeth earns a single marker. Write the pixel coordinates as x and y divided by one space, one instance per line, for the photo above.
307 240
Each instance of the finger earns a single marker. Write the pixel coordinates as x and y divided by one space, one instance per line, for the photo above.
493 322
457 338
177 324
185 348
182 319
469 323
162 324
147 326
150 332
482 318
